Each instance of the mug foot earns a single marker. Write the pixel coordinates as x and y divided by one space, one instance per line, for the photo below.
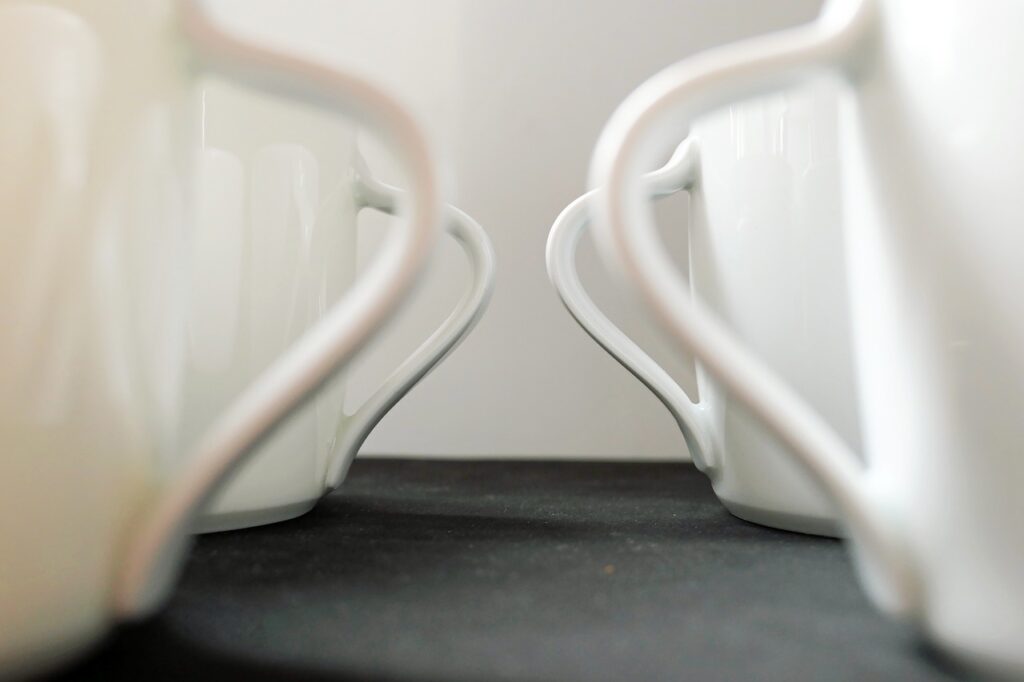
57 653
798 523
236 520
969 663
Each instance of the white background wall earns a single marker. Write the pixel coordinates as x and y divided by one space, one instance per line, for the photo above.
515 93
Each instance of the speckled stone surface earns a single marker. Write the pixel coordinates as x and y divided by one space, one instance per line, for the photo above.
433 570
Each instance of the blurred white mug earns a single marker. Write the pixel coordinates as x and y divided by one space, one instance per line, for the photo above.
279 190
932 215
766 253
95 190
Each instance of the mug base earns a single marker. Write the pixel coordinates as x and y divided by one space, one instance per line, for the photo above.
797 523
236 520
57 654
969 663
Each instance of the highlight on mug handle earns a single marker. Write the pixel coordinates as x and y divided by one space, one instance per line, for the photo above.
678 174
651 118
354 428
152 556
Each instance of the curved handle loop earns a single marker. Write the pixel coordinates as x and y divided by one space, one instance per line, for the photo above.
648 120
680 173
152 557
354 428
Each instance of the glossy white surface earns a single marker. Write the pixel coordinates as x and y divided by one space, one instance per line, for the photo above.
766 253
933 244
273 245
280 191
80 418
95 186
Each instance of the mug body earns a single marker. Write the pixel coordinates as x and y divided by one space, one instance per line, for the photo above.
766 254
935 153
274 244
93 190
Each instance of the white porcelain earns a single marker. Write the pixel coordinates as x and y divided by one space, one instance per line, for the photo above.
280 189
932 214
95 189
766 252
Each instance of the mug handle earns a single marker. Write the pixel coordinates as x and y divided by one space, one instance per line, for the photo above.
678 174
153 555
648 120
354 428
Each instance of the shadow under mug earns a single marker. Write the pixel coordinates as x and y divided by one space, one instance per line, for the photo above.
765 252
280 190
95 187
931 146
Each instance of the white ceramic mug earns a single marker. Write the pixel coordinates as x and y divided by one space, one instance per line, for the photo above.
94 192
766 252
932 157
280 189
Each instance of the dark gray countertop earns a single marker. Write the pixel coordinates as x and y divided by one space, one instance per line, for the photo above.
429 570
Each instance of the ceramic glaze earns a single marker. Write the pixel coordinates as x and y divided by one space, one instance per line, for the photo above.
274 244
766 253
280 189
95 204
89 195
931 220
